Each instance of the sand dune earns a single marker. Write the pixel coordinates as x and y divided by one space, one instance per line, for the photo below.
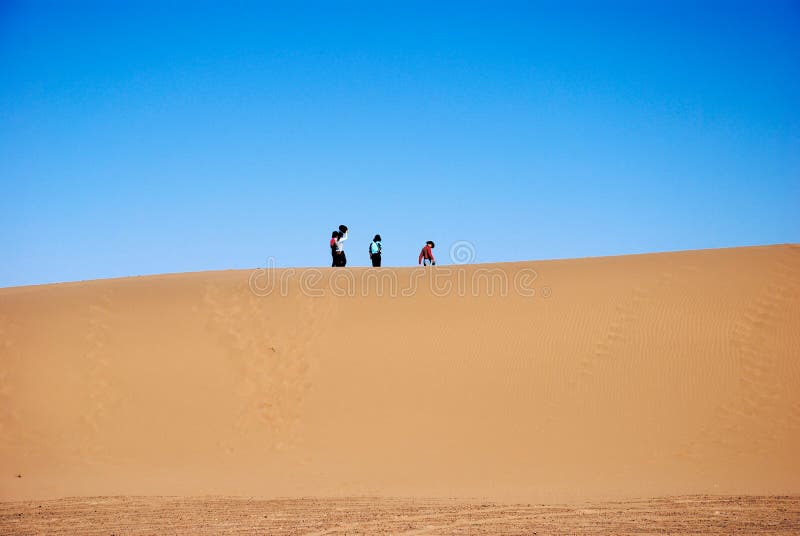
631 376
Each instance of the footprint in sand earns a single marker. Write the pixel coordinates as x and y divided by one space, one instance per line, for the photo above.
626 313
9 417
98 386
758 404
271 362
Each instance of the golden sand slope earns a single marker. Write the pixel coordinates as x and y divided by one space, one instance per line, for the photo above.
641 375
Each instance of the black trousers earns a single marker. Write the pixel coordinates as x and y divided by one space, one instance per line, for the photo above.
339 259
376 260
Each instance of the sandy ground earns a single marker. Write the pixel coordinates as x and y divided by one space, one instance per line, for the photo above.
173 515
542 382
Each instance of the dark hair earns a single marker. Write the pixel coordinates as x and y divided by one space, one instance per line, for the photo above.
431 243
339 234
377 238
335 234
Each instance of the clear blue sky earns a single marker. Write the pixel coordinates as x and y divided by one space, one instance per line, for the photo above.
171 137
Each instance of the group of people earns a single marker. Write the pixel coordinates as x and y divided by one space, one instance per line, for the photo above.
339 259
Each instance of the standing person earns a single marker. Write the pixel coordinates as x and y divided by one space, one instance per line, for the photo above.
341 258
375 250
426 255
334 236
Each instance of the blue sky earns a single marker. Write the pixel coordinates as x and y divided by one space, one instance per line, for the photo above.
170 137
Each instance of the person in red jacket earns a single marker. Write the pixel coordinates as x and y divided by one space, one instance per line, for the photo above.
426 255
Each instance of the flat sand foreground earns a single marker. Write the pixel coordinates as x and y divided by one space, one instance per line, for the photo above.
537 382
173 515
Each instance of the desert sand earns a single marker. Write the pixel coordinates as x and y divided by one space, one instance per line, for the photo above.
377 515
597 379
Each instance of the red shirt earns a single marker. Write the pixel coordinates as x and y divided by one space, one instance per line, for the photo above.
426 253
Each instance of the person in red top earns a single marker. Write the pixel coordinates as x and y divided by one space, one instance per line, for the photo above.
426 255
334 237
